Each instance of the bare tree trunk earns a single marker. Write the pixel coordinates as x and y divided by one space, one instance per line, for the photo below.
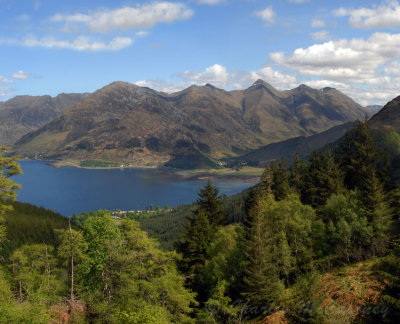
20 290
72 262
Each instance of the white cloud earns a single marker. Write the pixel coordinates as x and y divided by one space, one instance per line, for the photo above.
384 16
317 23
277 79
210 2
321 35
81 43
268 15
355 60
362 92
162 85
21 75
218 76
144 16
393 69
3 80
5 90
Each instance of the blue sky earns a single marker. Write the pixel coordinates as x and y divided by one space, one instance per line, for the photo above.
49 47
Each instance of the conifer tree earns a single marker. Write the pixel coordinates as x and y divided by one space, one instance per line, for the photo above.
323 178
297 172
280 180
210 203
358 155
199 232
263 286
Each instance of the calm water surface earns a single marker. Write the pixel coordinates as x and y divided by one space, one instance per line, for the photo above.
71 190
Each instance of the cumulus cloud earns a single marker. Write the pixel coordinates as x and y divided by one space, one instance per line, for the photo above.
143 16
218 76
317 23
393 69
277 79
362 91
384 16
268 15
355 60
21 75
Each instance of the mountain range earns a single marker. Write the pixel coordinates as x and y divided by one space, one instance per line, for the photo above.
192 128
23 114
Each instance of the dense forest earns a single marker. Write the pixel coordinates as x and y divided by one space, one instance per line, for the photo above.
316 242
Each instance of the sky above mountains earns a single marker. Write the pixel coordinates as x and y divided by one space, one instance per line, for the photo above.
49 47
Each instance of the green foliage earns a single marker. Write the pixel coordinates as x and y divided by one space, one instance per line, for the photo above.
166 227
28 224
137 281
391 142
99 164
279 180
8 167
322 179
357 156
210 203
347 232
390 276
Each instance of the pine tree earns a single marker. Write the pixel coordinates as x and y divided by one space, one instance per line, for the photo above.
210 203
280 180
378 212
263 286
323 178
358 155
199 232
296 175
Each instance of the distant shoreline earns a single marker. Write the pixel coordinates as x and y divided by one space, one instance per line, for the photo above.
245 173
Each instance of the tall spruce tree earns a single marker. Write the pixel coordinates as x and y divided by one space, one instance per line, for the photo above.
357 155
280 180
323 178
199 232
210 203
263 285
296 174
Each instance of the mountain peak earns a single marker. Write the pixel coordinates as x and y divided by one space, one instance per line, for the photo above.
261 82
304 87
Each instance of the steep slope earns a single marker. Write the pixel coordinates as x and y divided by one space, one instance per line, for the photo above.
191 128
388 117
23 114
298 112
287 149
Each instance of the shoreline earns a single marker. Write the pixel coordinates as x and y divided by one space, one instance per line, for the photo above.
245 173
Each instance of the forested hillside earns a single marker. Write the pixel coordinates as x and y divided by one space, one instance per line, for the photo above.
313 243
